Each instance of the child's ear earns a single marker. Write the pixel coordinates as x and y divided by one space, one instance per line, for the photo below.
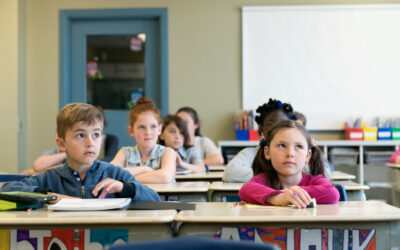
60 144
130 130
308 155
266 153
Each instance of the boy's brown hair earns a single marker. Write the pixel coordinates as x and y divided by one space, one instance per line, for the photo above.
73 113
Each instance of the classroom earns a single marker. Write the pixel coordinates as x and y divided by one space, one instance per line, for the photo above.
204 47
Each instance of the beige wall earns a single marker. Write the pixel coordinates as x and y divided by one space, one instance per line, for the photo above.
9 82
204 62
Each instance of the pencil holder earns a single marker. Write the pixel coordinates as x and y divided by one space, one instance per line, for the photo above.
242 135
253 135
370 133
395 133
354 133
384 133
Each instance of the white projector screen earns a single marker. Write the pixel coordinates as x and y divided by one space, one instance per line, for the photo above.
332 62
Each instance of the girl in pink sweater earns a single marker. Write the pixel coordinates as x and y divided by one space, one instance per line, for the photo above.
278 179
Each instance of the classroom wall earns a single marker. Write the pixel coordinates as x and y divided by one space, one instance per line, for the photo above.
204 58
9 83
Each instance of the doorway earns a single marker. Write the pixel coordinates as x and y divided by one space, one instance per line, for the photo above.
110 58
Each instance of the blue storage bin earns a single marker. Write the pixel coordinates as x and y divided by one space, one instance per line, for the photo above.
384 133
242 135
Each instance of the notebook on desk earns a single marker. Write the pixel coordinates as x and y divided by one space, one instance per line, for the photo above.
67 204
181 170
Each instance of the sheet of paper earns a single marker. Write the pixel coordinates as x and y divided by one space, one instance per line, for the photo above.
90 204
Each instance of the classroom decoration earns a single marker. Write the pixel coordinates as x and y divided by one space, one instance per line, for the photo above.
303 238
67 239
136 44
92 69
245 126
376 129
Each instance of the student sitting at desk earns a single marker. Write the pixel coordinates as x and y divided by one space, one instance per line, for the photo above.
174 134
79 127
278 170
395 158
209 152
239 168
148 161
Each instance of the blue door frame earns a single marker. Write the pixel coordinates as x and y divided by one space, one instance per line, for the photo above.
69 81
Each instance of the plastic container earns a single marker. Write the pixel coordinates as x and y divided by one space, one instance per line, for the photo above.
253 135
343 156
395 133
370 133
353 133
242 135
384 133
378 156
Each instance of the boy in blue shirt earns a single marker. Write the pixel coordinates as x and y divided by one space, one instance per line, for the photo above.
79 130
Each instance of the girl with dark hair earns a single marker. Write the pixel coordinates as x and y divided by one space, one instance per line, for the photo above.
239 168
174 134
208 150
278 170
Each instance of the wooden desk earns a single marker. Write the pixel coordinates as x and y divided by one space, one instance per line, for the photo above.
354 191
237 222
211 176
339 175
217 168
182 191
224 191
84 227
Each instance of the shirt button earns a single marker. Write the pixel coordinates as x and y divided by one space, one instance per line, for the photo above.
78 179
75 173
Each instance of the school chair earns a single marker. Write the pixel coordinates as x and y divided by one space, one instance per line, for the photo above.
195 243
342 192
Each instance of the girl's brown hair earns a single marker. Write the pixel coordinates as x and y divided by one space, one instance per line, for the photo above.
193 113
180 124
262 165
142 105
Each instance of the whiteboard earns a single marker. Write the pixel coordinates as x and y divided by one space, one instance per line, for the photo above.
332 62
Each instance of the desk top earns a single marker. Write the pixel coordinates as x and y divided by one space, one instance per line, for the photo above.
393 165
45 217
224 186
338 175
201 176
351 186
355 211
217 168
319 143
180 187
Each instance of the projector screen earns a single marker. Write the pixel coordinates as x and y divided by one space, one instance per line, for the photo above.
332 62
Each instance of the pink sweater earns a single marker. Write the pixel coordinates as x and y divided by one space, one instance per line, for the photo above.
394 156
256 190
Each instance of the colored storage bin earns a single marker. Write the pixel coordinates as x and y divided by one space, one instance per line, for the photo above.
370 133
353 133
242 135
253 135
384 133
395 133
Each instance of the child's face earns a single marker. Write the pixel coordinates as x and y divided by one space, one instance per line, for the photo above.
288 152
191 126
172 136
82 144
146 130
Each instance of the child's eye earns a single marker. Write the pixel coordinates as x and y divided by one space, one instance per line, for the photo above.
80 135
299 146
140 127
153 126
96 135
281 145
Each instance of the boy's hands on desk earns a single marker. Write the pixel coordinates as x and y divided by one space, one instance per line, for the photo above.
294 195
110 186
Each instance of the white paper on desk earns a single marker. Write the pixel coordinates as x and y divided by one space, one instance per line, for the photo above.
67 204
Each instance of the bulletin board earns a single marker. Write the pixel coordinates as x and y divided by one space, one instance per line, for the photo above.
331 62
